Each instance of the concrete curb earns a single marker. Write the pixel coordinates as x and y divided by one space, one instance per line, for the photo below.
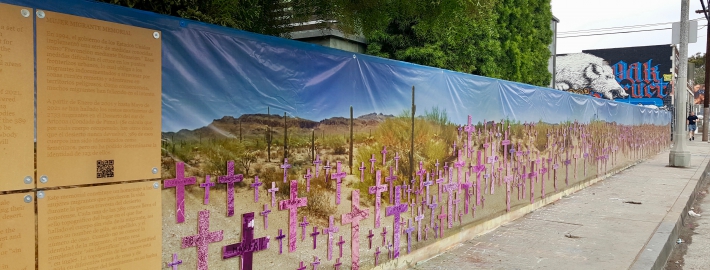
660 245
473 230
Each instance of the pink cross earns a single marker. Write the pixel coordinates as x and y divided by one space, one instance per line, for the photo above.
396 211
439 182
230 179
442 217
202 239
391 178
409 231
327 169
329 231
432 207
207 185
418 219
450 188
280 237
338 176
315 262
285 166
337 264
292 206
459 164
248 246
265 213
308 177
273 190
396 162
369 237
256 186
372 163
478 169
384 235
317 162
467 195
362 172
179 183
427 183
377 189
469 129
340 244
315 235
354 217
384 155
303 226
302 267
377 255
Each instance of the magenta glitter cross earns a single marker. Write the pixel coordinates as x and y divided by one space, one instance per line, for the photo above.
265 213
391 178
338 176
273 190
308 177
384 155
202 239
377 189
285 166
174 264
292 206
330 230
317 162
396 211
179 183
354 217
315 235
248 246
256 186
409 231
207 185
372 163
303 226
230 179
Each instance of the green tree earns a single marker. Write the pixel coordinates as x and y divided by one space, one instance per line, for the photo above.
699 60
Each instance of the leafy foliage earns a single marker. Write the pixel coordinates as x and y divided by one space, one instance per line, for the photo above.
699 60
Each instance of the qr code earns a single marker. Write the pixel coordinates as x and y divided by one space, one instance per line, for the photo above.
104 168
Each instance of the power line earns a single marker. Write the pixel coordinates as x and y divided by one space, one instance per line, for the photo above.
618 27
625 32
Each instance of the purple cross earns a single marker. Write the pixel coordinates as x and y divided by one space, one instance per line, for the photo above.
273 190
230 179
377 255
467 195
384 235
338 176
432 207
421 172
532 175
442 217
315 262
256 186
280 237
265 213
372 163
396 161
377 189
439 182
317 162
202 239
303 226
362 172
302 267
369 237
384 155
248 246
396 210
426 184
179 183
426 232
418 219
450 188
459 164
207 185
391 179
308 177
330 230
354 217
337 264
285 166
340 244
456 202
478 169
469 129
409 231
174 264
292 205
315 234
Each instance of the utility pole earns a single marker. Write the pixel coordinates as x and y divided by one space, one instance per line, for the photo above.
706 102
680 156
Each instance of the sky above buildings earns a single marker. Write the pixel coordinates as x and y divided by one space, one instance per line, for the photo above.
575 15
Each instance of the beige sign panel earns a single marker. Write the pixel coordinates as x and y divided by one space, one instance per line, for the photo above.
98 101
16 98
102 227
17 231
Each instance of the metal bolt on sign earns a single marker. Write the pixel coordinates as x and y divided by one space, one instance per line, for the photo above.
40 14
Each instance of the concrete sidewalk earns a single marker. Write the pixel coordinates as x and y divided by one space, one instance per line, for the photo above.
623 222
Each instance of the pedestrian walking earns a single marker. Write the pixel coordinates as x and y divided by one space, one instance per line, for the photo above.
691 125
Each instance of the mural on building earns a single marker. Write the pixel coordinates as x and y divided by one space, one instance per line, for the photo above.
636 75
